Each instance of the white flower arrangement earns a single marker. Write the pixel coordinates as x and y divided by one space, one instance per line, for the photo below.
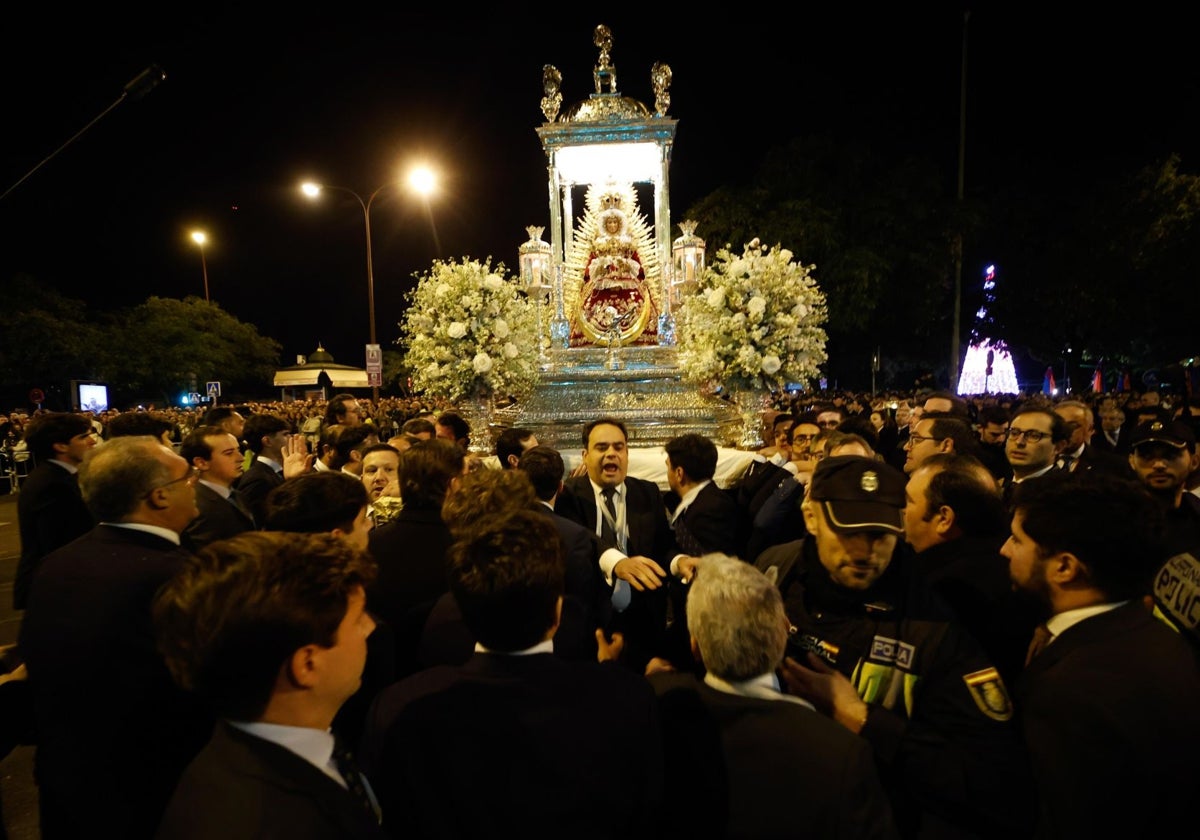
463 331
756 321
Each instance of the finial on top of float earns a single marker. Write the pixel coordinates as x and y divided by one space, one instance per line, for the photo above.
602 38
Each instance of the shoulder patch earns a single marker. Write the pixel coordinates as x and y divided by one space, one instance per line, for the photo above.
988 692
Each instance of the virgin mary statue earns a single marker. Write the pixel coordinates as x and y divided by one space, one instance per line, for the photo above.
613 272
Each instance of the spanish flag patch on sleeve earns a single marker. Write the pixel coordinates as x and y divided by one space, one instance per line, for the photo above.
989 693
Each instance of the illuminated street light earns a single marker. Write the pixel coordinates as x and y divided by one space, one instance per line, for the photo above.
421 180
201 239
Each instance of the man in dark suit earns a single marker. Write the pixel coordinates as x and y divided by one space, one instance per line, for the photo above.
266 437
740 746
1115 432
113 730
955 521
271 630
215 453
585 590
630 518
1078 452
411 548
518 741
1108 700
705 520
50 509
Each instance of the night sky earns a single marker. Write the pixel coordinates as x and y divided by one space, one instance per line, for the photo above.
252 105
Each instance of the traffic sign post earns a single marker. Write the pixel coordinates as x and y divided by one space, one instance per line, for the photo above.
374 366
214 391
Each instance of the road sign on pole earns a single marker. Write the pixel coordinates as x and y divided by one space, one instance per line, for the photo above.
374 365
214 390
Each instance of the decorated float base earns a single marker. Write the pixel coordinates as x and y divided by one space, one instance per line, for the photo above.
645 391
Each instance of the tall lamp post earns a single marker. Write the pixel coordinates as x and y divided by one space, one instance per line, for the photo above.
312 190
201 239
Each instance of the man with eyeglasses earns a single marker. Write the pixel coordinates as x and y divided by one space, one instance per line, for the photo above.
936 433
114 732
1035 438
1163 455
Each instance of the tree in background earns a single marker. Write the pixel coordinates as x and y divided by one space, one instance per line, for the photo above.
167 344
881 234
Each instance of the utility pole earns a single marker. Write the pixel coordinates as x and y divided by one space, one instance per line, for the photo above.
955 341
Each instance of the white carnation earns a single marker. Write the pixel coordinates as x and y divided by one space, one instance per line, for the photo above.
456 330
482 363
757 305
799 310
500 329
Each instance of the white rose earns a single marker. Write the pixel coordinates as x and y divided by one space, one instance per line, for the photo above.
500 329
511 351
756 306
799 310
771 365
716 298
493 282
482 363
456 330
442 290
738 319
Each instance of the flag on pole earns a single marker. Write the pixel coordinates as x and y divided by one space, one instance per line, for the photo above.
1048 382
1126 384
1098 381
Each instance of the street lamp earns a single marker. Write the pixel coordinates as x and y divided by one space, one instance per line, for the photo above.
201 239
421 180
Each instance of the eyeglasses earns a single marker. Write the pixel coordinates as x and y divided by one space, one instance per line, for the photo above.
1031 435
915 439
802 437
190 477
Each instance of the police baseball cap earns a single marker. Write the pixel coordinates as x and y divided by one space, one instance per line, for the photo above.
859 494
1176 433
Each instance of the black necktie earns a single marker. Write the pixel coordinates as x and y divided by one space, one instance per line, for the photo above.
346 766
608 534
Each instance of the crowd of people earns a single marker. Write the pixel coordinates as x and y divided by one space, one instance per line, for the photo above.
908 616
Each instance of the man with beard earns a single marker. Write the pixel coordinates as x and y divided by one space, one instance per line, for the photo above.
1108 698
874 650
1163 456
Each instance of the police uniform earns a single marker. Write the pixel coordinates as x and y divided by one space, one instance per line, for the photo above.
939 716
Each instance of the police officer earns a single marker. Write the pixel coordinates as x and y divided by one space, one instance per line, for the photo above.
883 658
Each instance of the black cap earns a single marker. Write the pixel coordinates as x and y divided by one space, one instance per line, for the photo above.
859 494
1175 433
